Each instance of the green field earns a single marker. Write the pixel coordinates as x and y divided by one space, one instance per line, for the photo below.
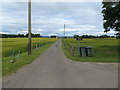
104 49
20 44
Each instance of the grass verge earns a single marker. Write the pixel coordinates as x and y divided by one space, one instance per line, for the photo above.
24 59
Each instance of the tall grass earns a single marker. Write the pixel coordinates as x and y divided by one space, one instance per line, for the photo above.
10 45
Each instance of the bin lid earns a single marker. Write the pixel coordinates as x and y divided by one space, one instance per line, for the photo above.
89 47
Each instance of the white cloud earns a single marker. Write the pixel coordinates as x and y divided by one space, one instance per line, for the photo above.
68 30
84 26
100 32
49 18
78 32
23 32
59 21
111 32
52 34
4 33
38 30
53 1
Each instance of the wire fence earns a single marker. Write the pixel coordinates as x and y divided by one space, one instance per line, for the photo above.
71 48
78 50
16 53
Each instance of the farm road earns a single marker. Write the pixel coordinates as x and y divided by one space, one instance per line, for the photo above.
53 70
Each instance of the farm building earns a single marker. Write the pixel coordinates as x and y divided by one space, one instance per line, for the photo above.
79 38
117 35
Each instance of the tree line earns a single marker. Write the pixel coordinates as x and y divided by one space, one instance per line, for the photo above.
18 35
54 36
92 36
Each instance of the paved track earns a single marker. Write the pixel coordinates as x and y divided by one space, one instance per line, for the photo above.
53 70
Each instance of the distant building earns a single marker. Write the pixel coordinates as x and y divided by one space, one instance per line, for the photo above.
79 38
117 35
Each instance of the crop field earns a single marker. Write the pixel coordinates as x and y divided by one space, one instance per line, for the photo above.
10 45
104 49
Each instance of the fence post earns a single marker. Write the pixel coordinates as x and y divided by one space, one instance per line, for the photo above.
72 51
18 54
31 47
78 50
13 54
36 45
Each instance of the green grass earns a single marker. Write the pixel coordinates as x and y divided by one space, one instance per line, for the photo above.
24 58
15 44
104 50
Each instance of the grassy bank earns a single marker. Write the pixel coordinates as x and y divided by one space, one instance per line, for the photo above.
104 50
24 58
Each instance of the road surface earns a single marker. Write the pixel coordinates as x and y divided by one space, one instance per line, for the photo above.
53 70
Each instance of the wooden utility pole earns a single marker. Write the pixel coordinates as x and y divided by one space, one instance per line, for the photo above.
64 30
29 27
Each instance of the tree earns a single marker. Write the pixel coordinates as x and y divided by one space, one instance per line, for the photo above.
111 16
104 36
53 36
76 36
117 35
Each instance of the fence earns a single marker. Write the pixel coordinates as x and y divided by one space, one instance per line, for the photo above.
78 50
16 53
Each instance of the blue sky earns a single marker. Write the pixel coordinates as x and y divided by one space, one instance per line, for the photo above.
48 18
